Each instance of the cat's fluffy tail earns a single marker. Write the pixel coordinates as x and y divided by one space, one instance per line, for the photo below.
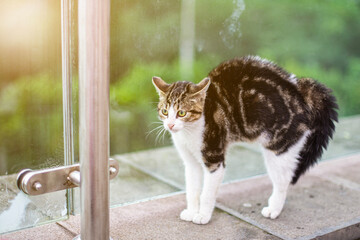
322 105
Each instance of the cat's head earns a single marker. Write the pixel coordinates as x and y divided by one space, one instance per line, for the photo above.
181 103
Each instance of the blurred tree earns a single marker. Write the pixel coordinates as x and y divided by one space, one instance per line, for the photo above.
143 31
31 124
318 39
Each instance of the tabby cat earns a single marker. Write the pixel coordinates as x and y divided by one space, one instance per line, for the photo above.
245 99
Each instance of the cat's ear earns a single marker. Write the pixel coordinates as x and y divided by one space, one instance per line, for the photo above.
161 86
202 86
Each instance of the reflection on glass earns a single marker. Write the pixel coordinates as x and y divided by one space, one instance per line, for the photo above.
176 40
147 39
184 40
31 133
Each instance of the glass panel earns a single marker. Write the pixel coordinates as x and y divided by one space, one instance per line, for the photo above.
31 114
70 8
185 40
132 63
296 35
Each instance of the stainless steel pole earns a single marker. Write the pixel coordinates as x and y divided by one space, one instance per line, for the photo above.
94 35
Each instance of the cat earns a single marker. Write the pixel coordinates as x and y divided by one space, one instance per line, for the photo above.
245 99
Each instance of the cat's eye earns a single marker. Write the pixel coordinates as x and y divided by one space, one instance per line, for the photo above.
181 113
164 112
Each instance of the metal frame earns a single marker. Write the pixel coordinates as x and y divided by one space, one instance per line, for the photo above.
94 38
94 41
55 179
94 35
67 93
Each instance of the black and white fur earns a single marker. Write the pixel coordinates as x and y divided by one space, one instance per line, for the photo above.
245 99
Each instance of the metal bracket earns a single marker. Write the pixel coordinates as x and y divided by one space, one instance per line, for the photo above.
55 179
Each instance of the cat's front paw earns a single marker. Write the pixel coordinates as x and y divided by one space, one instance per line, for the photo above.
201 218
187 215
270 212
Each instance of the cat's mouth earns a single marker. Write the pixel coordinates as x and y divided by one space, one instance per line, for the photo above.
171 127
173 130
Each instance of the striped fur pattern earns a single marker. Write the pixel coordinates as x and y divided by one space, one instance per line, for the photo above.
251 99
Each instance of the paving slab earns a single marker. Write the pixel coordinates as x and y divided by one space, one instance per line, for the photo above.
165 164
19 210
315 206
243 163
131 185
346 138
162 163
49 231
159 219
344 171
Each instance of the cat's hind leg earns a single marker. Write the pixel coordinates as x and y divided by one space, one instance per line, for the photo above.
281 170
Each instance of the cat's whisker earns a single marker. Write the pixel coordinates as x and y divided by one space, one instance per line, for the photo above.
158 123
151 131
157 136
156 128
163 136
160 133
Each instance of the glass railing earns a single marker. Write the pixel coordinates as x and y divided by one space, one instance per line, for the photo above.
31 110
176 40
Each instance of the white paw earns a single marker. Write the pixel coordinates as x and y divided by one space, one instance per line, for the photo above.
270 213
187 215
201 218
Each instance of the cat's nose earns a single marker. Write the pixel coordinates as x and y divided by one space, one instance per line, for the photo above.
170 125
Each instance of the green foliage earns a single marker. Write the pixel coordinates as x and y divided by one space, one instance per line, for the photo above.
146 30
317 39
345 85
136 89
31 123
311 32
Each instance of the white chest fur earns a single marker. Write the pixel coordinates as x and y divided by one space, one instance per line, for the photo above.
190 139
189 143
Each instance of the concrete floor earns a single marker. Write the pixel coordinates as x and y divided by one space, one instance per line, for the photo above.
323 205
